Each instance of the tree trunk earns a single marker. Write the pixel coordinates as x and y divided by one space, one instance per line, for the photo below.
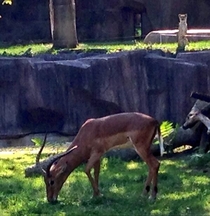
63 23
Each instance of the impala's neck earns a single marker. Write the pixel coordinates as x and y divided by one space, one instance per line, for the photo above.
77 157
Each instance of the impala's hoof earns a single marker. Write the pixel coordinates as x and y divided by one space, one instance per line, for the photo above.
95 195
54 202
152 199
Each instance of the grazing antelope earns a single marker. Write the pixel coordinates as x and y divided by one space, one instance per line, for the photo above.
95 137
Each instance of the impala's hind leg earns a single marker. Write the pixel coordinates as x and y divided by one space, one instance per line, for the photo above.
153 166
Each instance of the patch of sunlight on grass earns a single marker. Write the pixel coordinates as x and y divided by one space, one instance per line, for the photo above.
38 183
113 46
199 45
201 180
206 203
117 190
156 212
181 195
110 47
21 49
168 47
132 165
175 163
8 173
169 162
118 175
195 181
76 177
104 164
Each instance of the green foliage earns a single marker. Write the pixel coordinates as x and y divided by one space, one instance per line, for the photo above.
200 161
168 131
166 128
182 190
37 141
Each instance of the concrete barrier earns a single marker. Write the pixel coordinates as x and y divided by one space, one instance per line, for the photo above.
170 36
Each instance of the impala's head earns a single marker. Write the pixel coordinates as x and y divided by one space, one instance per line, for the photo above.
55 173
54 178
192 119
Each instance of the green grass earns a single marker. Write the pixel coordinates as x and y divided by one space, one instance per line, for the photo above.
21 49
182 189
109 46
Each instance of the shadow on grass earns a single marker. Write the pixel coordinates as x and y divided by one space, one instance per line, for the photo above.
182 191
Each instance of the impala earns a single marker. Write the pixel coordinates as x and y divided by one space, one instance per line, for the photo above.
95 137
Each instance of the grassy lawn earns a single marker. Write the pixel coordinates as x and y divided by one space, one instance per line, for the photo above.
109 46
182 190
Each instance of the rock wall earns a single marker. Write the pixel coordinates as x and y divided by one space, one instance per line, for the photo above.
58 93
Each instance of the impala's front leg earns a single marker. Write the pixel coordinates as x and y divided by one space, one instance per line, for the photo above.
94 162
147 184
96 176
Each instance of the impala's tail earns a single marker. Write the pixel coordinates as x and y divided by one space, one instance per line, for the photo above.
160 138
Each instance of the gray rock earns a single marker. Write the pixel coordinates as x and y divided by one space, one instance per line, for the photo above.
58 95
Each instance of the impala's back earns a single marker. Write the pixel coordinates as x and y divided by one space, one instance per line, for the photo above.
114 130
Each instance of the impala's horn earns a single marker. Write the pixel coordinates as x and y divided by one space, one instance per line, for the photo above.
56 157
43 172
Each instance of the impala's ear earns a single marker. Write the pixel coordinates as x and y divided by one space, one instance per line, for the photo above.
62 169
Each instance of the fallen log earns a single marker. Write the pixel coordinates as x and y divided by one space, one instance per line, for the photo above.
34 170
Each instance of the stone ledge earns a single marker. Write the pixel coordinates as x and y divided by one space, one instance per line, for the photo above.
170 36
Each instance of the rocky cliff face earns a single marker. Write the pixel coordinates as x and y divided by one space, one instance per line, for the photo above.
58 93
